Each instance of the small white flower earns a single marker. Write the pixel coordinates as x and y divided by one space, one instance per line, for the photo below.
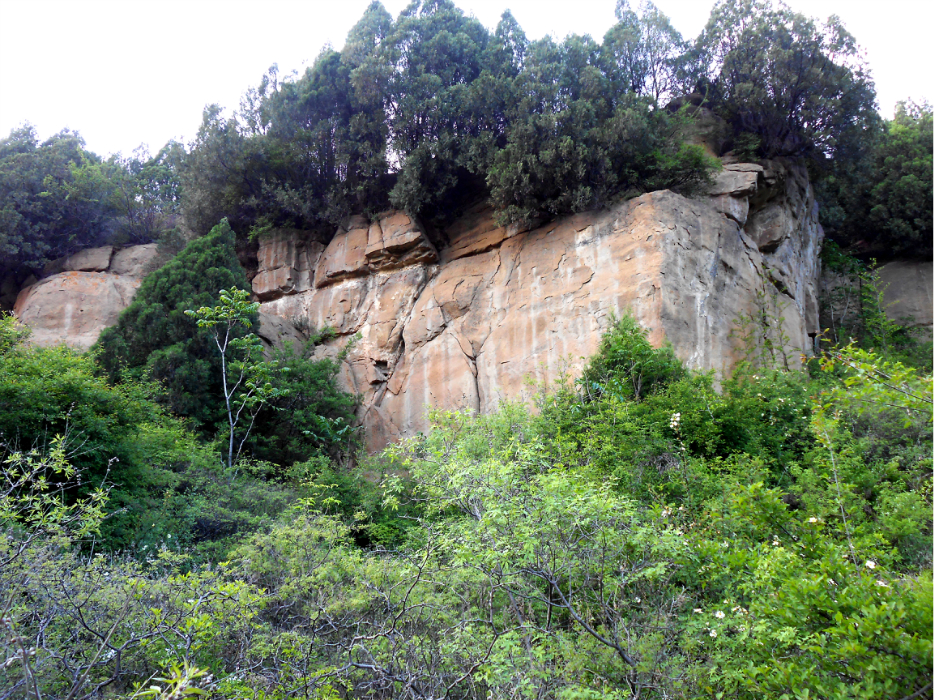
713 633
813 520
719 614
638 599
775 543
870 564
698 610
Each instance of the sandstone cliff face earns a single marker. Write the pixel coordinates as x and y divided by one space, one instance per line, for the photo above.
908 293
466 326
906 287
75 305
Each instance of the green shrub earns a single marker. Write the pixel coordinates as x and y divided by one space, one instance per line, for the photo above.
153 337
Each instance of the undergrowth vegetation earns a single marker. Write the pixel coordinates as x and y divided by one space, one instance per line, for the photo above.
642 533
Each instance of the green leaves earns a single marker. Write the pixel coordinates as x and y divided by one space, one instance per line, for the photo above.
154 338
801 88
245 377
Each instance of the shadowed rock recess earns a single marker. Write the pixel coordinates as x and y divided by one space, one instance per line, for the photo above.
469 324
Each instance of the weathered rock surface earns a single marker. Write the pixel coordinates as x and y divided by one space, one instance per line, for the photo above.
74 306
90 260
467 327
391 242
286 264
906 287
908 292
135 261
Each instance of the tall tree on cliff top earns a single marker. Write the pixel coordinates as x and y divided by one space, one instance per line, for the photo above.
644 55
55 197
802 90
436 130
881 205
900 201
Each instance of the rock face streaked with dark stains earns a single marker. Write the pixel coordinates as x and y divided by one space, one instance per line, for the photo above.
467 323
470 323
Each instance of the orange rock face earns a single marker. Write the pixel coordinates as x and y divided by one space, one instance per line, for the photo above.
498 307
74 306
469 325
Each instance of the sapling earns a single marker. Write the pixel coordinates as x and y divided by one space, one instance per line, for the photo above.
246 377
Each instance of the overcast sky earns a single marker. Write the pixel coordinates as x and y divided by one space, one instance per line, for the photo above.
126 72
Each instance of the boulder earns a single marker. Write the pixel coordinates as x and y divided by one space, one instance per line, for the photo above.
90 260
276 331
736 183
74 307
134 261
395 240
702 127
286 263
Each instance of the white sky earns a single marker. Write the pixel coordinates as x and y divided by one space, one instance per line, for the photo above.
126 72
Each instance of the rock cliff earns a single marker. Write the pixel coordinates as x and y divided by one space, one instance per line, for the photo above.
467 325
464 318
906 287
76 304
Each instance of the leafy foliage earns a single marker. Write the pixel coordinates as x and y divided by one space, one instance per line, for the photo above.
881 205
56 197
154 338
801 89
431 112
650 537
310 415
245 376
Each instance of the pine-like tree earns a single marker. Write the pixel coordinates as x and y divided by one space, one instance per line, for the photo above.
154 338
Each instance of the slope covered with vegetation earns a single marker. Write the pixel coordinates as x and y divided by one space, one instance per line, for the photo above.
641 535
645 531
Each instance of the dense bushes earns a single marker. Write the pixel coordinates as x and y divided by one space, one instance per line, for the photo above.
431 111
880 205
165 486
654 538
56 197
153 337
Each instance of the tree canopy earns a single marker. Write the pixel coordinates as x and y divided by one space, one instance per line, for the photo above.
431 111
56 197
